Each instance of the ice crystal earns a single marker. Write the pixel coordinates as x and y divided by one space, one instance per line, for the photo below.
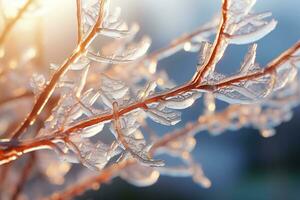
104 95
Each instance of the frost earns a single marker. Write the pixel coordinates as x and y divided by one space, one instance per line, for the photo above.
115 89
284 74
112 90
204 52
182 101
80 65
114 27
238 6
247 91
148 90
38 82
252 33
114 33
92 130
164 115
133 52
245 27
114 83
84 105
139 150
94 156
249 61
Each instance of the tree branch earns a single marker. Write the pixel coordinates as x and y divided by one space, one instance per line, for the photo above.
79 26
11 153
49 89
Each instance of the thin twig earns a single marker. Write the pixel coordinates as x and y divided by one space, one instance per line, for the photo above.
210 63
159 54
79 18
6 156
49 89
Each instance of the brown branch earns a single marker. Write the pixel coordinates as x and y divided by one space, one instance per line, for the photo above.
210 63
189 129
107 175
19 150
79 26
269 69
49 89
8 27
13 152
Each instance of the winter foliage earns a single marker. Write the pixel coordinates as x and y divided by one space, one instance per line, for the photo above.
102 98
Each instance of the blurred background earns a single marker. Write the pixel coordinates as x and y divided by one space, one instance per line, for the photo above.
240 164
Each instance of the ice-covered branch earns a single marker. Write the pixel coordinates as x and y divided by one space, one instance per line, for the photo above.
50 87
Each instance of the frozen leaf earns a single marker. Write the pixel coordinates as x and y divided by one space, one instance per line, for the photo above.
84 104
94 156
91 130
133 52
114 27
38 82
112 90
80 65
114 33
128 124
247 91
238 7
252 33
183 100
284 74
90 12
139 150
148 90
204 53
249 60
164 115
135 145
